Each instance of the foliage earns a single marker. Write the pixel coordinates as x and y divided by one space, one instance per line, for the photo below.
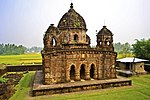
23 87
11 49
2 66
119 56
123 49
3 80
141 48
20 59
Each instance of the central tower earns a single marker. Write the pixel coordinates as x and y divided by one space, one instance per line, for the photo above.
73 29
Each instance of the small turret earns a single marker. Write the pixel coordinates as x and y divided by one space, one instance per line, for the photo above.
105 40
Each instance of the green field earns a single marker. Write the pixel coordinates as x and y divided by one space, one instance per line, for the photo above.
140 90
20 59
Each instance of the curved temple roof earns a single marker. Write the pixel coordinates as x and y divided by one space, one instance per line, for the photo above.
72 19
105 31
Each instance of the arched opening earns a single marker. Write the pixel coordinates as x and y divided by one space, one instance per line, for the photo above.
107 41
92 71
82 71
53 42
76 38
100 43
72 73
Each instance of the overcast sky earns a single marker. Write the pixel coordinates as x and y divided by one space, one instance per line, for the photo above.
25 21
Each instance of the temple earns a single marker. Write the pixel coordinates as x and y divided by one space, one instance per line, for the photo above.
67 55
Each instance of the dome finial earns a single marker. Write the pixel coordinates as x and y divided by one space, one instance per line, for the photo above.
71 5
104 24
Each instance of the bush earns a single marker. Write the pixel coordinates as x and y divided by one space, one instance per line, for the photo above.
3 80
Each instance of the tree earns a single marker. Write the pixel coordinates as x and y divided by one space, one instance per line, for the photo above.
123 49
141 48
118 47
126 48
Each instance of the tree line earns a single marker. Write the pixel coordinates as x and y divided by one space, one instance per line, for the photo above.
124 49
12 49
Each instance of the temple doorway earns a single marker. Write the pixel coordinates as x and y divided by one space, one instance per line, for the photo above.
72 73
92 71
82 71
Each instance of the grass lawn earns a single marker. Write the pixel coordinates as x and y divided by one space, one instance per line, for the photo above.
19 59
140 90
23 87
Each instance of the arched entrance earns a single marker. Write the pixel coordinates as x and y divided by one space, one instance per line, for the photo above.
82 71
72 73
92 70
75 38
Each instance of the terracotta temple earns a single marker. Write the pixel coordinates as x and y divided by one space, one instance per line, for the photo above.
68 57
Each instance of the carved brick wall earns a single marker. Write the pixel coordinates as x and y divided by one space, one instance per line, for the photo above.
57 66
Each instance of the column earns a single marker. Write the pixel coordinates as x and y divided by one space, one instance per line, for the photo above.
95 74
99 76
87 75
77 76
68 75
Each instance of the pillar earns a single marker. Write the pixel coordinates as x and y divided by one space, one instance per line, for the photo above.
99 73
87 75
77 76
95 74
67 75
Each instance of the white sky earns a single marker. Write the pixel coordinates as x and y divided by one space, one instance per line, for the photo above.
25 21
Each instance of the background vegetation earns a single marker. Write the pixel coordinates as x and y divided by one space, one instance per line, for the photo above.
123 50
12 49
141 48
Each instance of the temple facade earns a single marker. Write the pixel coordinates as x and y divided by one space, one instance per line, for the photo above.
67 55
